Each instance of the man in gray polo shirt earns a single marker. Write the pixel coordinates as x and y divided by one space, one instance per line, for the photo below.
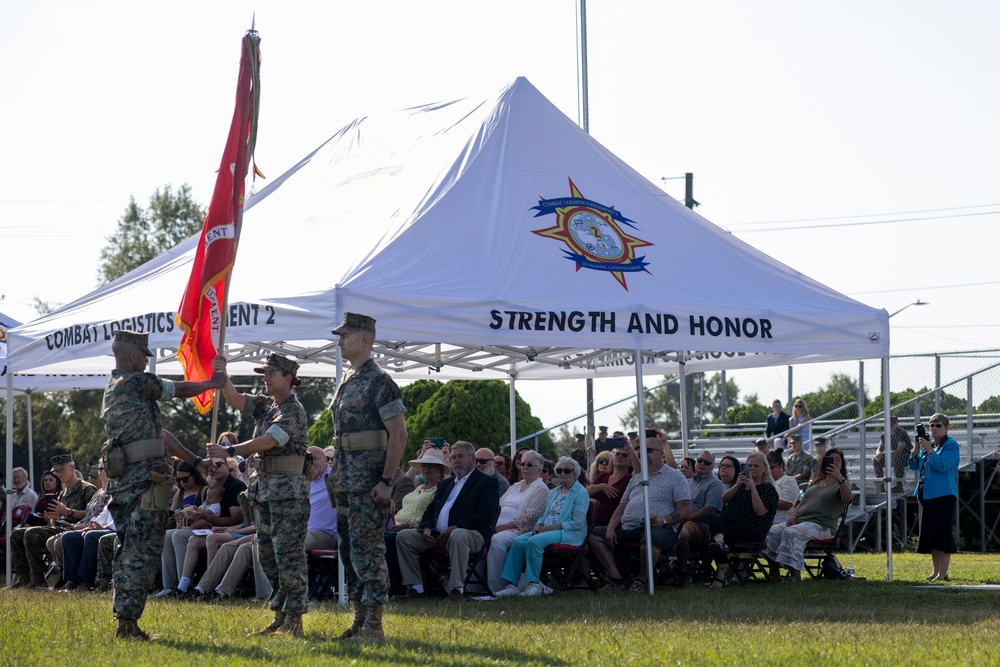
706 502
669 506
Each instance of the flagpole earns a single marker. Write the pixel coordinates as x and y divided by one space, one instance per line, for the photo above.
253 52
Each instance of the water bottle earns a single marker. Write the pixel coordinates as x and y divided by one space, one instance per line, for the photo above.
850 570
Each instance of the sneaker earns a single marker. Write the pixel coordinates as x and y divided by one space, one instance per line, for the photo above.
509 589
536 588
166 592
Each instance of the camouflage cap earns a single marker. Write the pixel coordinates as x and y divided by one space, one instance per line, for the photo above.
95 471
354 322
60 461
276 362
134 338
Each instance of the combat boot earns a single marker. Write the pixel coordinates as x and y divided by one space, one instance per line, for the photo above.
360 614
129 629
292 625
279 619
372 631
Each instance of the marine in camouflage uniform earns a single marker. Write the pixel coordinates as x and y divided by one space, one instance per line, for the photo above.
278 494
28 543
367 402
140 496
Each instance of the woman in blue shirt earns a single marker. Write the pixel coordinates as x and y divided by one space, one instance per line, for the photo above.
937 460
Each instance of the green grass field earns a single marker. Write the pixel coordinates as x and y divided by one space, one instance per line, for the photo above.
814 623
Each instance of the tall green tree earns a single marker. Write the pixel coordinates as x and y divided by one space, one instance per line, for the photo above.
143 234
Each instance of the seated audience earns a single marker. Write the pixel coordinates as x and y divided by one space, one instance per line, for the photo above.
729 468
78 546
669 506
22 494
563 521
27 545
815 518
749 507
706 503
601 464
485 464
548 472
431 466
460 518
520 507
228 568
515 468
610 483
799 464
786 486
502 464
178 547
687 467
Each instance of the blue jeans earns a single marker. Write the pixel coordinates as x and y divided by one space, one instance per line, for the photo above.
80 555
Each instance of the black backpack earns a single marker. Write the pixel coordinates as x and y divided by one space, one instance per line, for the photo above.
832 570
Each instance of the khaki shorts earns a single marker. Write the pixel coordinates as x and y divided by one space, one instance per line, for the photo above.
696 532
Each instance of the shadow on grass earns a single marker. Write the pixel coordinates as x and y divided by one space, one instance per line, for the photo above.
393 651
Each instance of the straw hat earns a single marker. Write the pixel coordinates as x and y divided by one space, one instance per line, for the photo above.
435 456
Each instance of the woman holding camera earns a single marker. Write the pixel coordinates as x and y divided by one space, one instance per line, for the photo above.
936 457
750 504
815 518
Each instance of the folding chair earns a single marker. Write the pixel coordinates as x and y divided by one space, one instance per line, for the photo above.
472 573
818 550
321 578
662 573
566 558
745 559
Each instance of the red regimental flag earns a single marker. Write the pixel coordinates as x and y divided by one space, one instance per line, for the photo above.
201 312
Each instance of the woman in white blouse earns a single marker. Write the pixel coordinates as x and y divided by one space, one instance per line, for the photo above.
520 507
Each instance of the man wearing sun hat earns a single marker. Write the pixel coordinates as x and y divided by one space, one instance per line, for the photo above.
142 483
278 495
369 437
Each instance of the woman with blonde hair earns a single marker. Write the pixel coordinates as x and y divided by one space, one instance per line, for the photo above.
602 463
801 417
749 508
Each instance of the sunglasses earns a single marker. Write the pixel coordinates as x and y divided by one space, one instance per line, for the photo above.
526 464
726 465
936 425
705 463
499 462
329 459
621 455
218 464
603 462
181 480
564 471
483 462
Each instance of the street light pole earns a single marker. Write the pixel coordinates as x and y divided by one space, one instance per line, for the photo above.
918 302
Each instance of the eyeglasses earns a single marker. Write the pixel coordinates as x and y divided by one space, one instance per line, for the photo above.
527 464
705 462
936 425
483 462
218 464
799 405
564 471
726 465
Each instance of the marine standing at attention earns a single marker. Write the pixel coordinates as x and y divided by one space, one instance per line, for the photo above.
135 459
278 494
369 437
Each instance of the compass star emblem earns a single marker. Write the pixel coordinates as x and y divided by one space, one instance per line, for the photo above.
594 235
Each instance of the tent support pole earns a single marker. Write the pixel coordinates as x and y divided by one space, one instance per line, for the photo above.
8 473
31 441
644 468
512 404
684 407
886 405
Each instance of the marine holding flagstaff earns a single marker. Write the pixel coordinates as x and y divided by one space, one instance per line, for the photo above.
277 497
369 437
141 484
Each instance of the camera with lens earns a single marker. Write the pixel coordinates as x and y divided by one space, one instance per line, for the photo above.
922 432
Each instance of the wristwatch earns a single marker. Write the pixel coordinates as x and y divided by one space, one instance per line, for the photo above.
387 481
231 450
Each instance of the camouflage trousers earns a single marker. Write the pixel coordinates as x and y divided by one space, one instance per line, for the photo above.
106 549
140 536
27 552
281 549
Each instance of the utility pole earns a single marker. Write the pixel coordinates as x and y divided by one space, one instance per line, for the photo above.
689 199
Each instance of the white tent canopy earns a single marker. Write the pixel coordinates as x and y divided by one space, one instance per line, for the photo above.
27 382
488 237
